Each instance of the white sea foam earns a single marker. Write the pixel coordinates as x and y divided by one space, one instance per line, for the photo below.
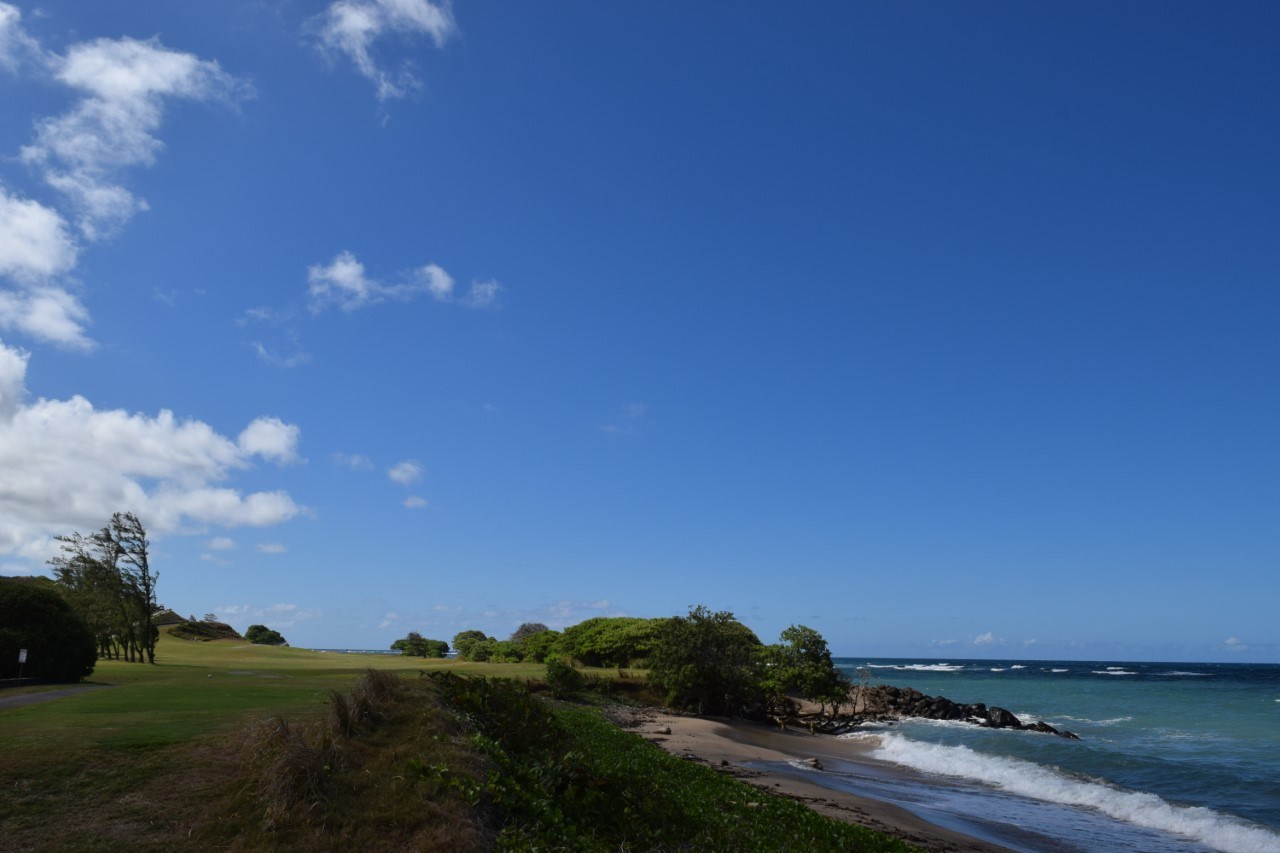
1113 670
1213 829
1179 672
1110 722
919 667
1017 666
1057 670
997 669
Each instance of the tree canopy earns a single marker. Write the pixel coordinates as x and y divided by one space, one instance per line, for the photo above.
263 636
417 645
707 663
610 640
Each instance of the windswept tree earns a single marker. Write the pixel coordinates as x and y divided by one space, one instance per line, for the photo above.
107 577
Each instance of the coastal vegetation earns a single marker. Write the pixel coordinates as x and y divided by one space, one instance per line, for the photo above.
107 578
257 746
264 636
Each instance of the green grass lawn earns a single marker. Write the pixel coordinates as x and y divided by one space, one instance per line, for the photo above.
136 759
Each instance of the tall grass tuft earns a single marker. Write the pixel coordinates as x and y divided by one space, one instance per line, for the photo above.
291 765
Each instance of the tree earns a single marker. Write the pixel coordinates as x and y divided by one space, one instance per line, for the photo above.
610 640
59 644
464 640
539 646
707 663
261 635
108 579
527 630
801 665
416 644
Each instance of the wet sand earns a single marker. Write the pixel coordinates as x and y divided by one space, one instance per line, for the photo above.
730 745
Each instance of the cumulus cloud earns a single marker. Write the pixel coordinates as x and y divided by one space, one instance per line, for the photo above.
406 472
351 28
124 85
36 251
415 502
270 438
986 639
65 465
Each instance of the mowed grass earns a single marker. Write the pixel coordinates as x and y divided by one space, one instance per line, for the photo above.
143 755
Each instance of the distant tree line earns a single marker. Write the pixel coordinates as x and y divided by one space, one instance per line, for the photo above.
107 579
706 662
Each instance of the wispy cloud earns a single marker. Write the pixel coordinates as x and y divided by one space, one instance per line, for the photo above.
343 283
221 543
271 548
123 87
277 616
354 461
415 502
353 28
628 421
407 472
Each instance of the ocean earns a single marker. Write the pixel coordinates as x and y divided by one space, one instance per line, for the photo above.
1172 757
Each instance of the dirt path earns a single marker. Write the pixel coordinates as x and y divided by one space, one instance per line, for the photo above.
48 695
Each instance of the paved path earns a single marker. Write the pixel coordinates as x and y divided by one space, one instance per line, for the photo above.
48 695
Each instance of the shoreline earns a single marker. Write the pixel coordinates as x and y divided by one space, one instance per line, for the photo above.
734 746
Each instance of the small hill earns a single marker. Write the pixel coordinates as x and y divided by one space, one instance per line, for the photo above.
204 631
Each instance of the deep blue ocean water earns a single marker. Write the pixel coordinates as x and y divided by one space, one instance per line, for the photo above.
1171 756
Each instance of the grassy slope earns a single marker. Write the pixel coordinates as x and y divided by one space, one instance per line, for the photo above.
136 761
155 761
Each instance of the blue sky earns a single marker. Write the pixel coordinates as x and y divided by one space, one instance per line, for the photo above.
946 329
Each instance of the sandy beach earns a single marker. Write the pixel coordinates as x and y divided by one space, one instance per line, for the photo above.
731 745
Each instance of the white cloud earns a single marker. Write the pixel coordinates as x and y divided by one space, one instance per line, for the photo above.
351 27
36 249
415 502
354 461
406 472
343 283
277 616
270 438
65 465
15 45
986 639
628 421
221 543
271 548
124 83
1235 644
35 243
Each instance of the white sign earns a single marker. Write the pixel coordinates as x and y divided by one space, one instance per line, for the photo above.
22 655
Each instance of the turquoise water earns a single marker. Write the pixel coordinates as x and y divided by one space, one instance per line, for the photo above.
1171 756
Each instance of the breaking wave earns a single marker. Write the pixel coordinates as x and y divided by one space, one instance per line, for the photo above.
1212 829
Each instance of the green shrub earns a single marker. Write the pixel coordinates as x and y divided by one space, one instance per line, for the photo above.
60 646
